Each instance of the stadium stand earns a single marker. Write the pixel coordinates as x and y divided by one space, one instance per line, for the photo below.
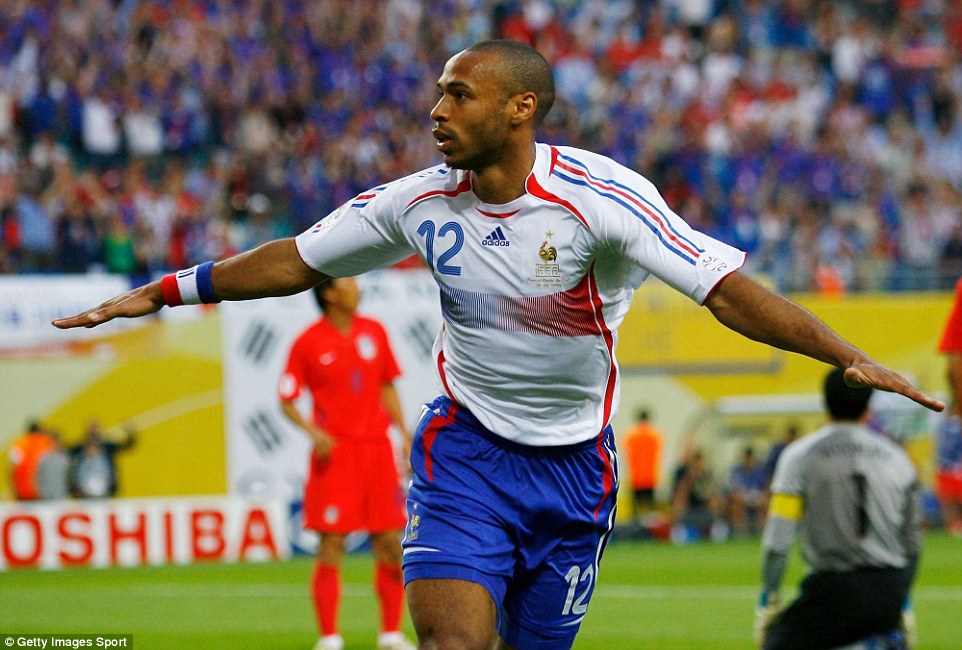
822 137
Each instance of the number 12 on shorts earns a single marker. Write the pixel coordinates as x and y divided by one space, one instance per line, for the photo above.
574 577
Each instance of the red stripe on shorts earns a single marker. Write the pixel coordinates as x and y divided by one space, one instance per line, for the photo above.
607 475
431 431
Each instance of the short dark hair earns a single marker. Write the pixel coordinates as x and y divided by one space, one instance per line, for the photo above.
522 69
844 402
320 289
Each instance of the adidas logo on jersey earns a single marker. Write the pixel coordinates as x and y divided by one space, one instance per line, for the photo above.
496 238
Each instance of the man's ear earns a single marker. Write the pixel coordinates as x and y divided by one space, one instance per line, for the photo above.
521 108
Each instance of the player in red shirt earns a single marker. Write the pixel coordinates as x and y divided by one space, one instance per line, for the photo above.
345 363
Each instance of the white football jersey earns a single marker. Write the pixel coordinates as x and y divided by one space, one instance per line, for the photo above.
532 291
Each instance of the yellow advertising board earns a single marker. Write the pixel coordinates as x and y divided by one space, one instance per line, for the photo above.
163 378
665 332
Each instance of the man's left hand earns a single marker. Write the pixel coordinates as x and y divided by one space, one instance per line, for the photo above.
869 373
764 616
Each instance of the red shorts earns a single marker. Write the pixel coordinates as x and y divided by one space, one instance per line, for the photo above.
948 486
355 488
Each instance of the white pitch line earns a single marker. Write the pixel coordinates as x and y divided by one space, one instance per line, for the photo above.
676 592
624 592
736 592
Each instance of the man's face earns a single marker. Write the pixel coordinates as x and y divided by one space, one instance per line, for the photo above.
344 293
470 119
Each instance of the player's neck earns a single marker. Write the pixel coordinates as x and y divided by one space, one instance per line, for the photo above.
504 181
340 319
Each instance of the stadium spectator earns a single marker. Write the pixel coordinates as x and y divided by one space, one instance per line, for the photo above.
696 502
100 128
852 496
752 99
948 476
93 462
44 155
921 239
775 452
143 128
53 471
536 251
9 241
78 237
746 495
25 455
37 236
643 443
344 362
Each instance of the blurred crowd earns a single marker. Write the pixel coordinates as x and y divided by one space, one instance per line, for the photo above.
824 138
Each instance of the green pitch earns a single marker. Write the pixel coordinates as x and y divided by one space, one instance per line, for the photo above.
651 596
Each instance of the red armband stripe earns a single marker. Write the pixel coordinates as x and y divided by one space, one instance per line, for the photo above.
168 285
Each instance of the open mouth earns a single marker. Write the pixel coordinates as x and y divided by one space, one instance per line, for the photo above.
443 139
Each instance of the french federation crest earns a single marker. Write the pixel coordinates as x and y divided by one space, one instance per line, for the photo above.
411 533
548 273
547 253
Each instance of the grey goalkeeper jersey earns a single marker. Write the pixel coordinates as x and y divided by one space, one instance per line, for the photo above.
858 493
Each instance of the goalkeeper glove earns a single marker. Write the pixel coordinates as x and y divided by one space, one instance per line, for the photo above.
765 612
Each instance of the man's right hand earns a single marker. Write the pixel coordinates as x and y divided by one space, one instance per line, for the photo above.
132 304
323 442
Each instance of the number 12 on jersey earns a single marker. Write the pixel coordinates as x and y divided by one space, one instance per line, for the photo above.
427 230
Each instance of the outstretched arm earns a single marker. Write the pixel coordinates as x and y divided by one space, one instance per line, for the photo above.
743 305
273 269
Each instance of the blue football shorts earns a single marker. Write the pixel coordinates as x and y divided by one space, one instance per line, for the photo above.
527 523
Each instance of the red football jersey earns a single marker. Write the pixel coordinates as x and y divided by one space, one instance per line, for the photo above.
344 374
952 336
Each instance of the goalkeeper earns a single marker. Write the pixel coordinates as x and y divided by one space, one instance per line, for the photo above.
851 494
